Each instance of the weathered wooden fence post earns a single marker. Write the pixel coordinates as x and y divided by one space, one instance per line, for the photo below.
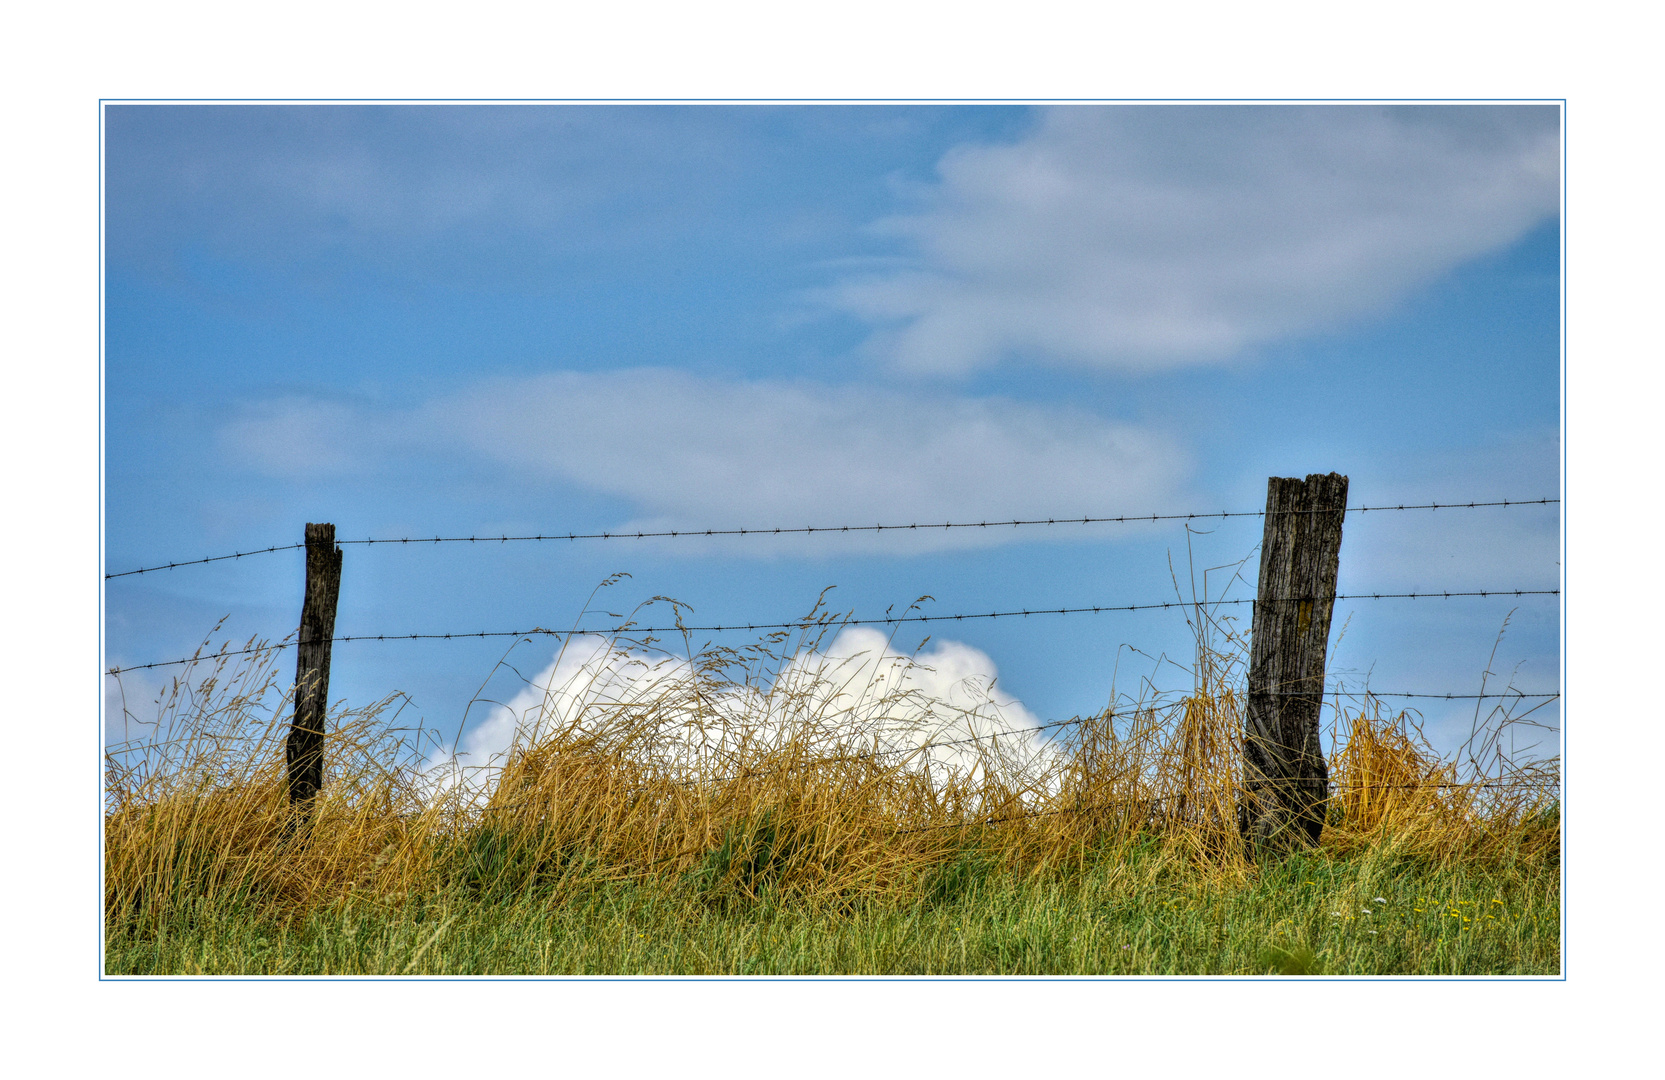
1285 780
305 747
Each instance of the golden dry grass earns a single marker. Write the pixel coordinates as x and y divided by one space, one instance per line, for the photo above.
745 773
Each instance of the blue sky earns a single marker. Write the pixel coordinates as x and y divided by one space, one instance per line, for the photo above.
411 320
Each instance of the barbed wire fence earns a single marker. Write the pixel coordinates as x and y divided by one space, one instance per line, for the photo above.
830 622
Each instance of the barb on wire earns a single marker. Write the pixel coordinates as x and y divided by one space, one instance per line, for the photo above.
804 530
891 620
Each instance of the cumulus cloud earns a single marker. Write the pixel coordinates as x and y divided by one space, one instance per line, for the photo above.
856 694
1150 237
691 452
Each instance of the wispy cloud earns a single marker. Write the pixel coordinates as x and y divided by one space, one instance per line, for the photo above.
688 452
296 436
1149 237
511 194
293 178
1461 549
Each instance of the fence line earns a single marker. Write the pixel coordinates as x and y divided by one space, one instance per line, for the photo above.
807 529
828 621
891 620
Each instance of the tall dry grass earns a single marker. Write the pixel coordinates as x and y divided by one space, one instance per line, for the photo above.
774 769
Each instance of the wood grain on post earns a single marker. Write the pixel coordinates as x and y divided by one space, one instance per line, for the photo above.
1285 780
305 747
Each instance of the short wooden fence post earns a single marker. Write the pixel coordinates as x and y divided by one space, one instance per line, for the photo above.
305 746
1285 780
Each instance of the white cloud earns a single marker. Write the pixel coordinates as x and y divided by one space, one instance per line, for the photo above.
858 693
691 452
1148 237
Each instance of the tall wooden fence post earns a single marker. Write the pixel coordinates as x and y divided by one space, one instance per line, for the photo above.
1285 780
305 747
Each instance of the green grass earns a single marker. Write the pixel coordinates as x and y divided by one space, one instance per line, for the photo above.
1138 913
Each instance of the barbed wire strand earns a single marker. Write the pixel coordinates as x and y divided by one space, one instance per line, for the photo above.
1073 721
821 762
809 529
1149 801
892 620
1153 800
